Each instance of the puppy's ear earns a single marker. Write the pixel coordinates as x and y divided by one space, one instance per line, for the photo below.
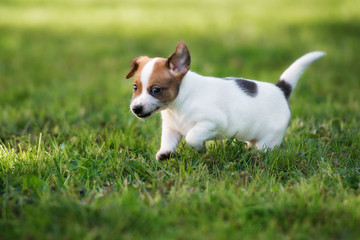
179 61
134 67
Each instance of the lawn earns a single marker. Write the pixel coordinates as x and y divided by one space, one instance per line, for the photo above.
76 164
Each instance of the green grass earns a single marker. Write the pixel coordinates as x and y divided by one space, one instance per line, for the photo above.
76 164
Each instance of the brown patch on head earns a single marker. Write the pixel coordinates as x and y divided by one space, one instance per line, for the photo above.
165 80
168 73
137 64
162 77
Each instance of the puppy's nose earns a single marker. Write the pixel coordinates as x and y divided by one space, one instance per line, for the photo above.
137 109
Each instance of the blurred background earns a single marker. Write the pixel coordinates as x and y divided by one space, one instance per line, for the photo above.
63 62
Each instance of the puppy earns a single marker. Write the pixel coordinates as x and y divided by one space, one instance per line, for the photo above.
201 108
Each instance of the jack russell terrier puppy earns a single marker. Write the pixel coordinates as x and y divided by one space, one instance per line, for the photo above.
201 108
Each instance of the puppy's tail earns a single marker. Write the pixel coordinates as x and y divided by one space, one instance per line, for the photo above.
291 75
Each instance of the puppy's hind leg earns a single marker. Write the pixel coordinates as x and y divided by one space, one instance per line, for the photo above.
201 132
269 142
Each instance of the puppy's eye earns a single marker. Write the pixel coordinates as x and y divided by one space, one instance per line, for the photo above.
135 87
155 90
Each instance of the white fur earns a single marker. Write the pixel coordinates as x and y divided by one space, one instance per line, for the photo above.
208 107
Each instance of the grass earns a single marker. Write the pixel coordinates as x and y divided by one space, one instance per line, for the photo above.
75 163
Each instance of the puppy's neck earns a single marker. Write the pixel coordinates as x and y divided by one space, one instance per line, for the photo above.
189 86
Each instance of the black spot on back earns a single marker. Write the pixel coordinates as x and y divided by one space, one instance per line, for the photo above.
248 86
285 87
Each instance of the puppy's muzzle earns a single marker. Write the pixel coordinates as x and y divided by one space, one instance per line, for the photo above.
138 110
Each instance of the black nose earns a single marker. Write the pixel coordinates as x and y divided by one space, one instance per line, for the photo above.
137 109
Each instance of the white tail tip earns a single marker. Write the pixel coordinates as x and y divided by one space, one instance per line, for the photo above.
293 73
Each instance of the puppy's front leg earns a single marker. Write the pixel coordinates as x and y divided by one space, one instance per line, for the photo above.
201 132
169 140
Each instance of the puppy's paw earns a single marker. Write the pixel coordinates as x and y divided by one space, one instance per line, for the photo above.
160 156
